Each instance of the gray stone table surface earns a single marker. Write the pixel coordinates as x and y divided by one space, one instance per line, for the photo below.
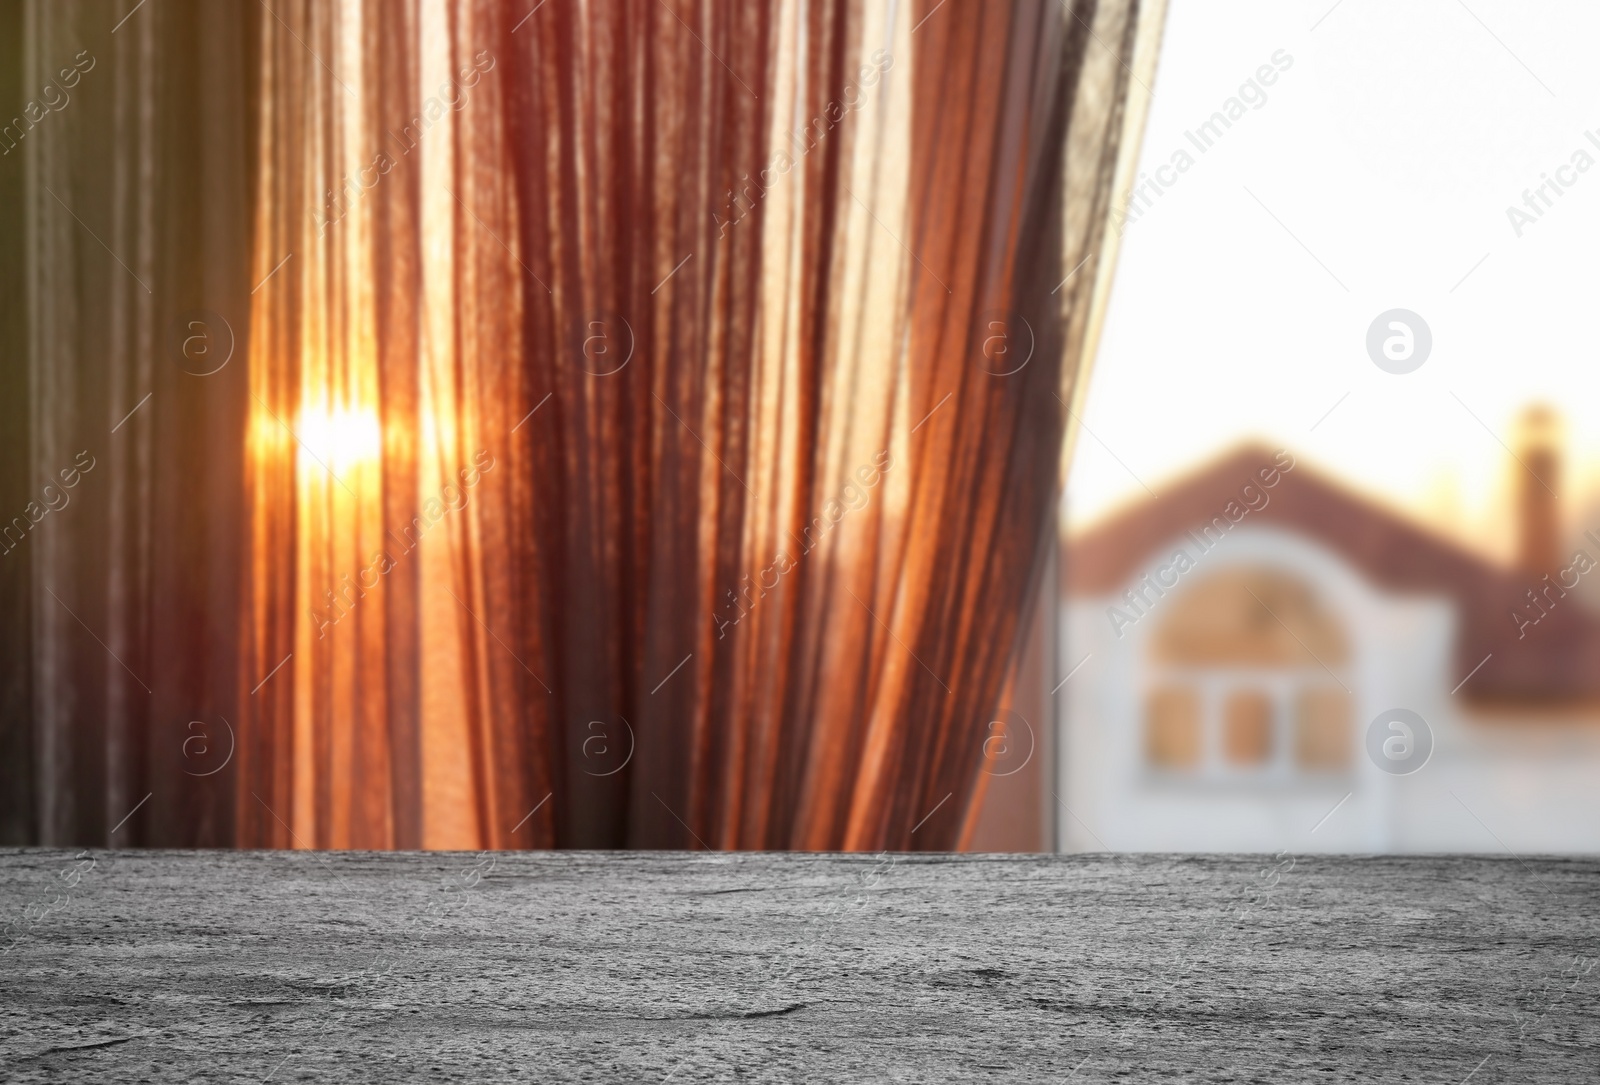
132 966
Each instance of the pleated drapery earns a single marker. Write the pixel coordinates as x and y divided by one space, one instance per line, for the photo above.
648 416
125 151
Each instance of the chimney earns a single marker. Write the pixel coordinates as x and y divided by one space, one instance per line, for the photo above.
1539 480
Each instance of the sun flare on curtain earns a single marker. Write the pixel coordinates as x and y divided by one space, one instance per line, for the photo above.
655 410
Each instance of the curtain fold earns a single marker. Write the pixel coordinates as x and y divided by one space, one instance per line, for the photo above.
644 429
125 170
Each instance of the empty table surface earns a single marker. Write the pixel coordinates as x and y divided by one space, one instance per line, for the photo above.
133 966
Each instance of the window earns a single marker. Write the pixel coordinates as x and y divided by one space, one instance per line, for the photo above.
1247 678
1247 728
1173 735
1322 729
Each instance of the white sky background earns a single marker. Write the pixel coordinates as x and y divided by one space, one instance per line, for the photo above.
1391 149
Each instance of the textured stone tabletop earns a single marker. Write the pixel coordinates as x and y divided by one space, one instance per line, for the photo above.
134 966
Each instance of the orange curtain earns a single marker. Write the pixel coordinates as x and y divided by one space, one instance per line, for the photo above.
656 410
125 211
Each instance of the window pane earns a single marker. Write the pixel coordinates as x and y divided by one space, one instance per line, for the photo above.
1322 729
1257 615
1247 728
1172 727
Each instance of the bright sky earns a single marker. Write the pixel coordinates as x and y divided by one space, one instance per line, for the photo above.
1390 150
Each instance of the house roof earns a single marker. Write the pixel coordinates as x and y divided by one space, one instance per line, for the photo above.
1556 660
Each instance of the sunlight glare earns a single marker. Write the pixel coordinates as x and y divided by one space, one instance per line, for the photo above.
341 437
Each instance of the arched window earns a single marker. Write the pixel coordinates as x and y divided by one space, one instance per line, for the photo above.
1248 675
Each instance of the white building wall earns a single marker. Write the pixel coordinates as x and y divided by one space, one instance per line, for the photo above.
1534 786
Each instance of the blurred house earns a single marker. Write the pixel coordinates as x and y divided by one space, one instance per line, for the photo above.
1245 639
